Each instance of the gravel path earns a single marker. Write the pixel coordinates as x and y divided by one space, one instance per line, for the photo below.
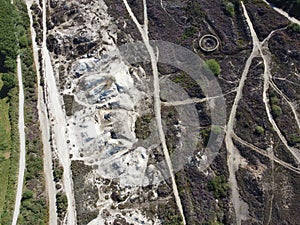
143 29
233 158
57 115
45 131
22 145
232 162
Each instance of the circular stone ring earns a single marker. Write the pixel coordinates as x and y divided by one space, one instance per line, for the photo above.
209 43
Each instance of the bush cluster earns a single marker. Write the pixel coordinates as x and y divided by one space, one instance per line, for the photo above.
218 186
214 66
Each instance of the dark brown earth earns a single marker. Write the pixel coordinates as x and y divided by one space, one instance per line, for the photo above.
189 21
86 193
290 6
271 192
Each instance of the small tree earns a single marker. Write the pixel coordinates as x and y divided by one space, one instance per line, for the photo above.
58 173
216 129
276 110
218 186
259 130
274 100
229 8
214 66
27 194
9 81
295 27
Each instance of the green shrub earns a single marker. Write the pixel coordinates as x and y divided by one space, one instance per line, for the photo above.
295 27
142 129
190 31
27 194
194 9
276 111
205 135
274 100
216 129
218 186
259 130
214 66
229 8
9 81
295 139
57 173
61 203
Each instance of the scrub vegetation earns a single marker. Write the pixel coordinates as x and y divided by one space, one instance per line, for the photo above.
8 111
15 39
291 6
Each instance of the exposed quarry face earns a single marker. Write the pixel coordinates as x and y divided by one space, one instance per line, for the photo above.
119 170
104 96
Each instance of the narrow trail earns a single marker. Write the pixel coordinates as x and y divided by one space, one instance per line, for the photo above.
258 50
22 144
265 54
232 163
189 101
164 9
271 154
288 81
143 29
273 85
283 13
264 153
45 130
195 100
57 115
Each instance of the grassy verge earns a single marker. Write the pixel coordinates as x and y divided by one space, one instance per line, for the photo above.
5 143
9 139
12 161
15 39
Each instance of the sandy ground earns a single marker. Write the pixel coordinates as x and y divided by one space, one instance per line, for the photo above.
105 89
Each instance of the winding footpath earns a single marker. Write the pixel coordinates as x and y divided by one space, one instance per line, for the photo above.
195 100
291 104
233 162
22 144
143 29
267 77
232 156
267 153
